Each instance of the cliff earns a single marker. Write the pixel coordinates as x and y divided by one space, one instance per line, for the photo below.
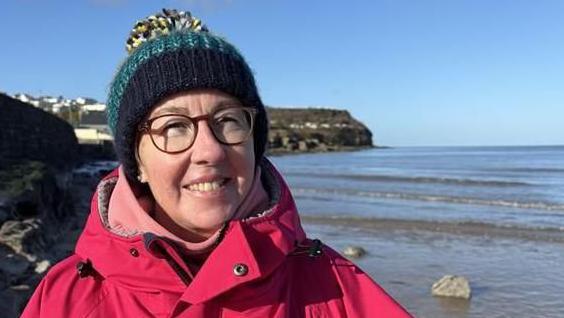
293 130
29 133
314 130
37 152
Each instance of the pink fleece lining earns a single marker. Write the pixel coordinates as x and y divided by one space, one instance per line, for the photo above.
129 212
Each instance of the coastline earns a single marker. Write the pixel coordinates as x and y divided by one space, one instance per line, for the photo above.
469 228
492 215
278 152
509 276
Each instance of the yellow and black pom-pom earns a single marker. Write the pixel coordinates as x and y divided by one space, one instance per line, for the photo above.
162 24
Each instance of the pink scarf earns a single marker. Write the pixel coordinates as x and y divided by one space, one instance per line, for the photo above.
129 212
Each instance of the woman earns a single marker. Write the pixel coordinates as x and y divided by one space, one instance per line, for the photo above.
196 222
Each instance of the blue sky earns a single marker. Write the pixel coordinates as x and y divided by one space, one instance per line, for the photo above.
416 72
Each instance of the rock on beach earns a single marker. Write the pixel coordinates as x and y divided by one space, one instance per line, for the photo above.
452 286
354 251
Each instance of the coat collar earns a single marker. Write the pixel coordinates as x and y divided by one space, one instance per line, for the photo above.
260 244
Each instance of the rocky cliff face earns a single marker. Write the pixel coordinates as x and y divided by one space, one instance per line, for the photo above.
37 152
30 133
40 227
293 129
311 129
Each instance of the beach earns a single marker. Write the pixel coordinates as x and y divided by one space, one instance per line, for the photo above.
509 277
423 213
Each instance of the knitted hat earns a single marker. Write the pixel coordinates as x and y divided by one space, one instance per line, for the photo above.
168 53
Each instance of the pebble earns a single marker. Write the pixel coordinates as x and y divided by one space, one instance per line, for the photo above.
354 251
42 266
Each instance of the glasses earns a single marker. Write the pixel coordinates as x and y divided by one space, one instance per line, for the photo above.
174 133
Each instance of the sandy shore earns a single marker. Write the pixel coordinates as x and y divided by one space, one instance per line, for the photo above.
513 273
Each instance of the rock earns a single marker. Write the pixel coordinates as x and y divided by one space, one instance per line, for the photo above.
354 251
5 211
21 236
452 286
42 266
14 299
13 266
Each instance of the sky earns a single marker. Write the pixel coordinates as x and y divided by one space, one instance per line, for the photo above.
416 72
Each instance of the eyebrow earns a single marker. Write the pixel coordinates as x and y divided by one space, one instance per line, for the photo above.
174 109
170 109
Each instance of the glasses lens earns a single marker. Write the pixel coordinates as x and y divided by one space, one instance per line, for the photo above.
172 133
232 125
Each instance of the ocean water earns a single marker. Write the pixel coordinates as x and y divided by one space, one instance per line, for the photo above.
494 215
520 187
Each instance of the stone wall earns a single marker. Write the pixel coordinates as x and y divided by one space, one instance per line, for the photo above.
29 133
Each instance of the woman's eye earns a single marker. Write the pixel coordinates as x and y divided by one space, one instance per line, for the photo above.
227 119
232 118
230 123
173 129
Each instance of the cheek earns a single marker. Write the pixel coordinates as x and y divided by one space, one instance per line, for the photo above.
245 164
158 166
145 154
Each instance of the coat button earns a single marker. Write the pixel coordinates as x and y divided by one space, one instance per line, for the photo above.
240 269
134 252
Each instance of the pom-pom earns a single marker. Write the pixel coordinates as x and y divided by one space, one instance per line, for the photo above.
162 24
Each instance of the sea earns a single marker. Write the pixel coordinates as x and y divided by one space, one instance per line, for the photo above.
521 187
494 215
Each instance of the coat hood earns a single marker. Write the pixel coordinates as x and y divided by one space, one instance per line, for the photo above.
142 262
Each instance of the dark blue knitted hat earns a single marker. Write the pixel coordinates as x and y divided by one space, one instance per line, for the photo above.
168 53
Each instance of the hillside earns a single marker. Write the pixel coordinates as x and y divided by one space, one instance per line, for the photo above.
315 129
293 130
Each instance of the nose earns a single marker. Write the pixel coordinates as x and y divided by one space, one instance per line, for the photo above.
206 149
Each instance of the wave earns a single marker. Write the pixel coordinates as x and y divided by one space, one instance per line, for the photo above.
434 198
407 179
553 234
530 170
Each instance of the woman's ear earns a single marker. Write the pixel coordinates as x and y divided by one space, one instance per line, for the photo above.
141 177
141 174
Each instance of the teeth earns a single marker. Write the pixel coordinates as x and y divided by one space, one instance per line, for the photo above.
205 186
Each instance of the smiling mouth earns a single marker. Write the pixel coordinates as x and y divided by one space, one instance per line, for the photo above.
207 186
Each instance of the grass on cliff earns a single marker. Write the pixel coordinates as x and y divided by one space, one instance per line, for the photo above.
15 178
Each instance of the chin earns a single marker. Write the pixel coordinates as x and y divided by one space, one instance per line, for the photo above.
208 222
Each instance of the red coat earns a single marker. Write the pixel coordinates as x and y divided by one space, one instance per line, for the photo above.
263 267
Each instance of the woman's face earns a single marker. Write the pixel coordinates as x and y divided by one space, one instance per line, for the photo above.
197 190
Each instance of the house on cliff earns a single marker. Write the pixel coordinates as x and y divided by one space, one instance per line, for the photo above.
93 128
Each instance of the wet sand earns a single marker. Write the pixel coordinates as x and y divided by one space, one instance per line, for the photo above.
555 235
512 272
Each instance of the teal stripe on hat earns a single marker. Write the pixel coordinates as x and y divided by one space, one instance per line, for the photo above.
152 48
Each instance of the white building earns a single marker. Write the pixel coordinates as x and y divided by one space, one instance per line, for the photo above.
94 107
